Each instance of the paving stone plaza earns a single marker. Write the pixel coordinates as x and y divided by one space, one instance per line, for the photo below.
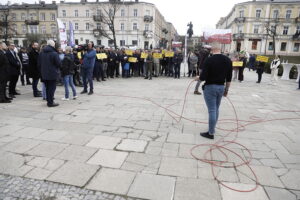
114 146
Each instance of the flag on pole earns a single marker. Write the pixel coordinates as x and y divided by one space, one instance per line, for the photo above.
62 34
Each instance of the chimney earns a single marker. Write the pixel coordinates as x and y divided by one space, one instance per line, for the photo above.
53 2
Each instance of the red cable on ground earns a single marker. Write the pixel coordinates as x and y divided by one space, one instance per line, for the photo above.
221 144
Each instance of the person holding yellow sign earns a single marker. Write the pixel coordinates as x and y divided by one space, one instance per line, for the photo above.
149 66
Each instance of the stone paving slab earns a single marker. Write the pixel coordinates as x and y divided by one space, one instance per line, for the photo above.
104 142
108 158
132 145
179 167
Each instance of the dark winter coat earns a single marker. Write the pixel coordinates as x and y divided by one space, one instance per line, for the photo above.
177 59
14 63
49 63
33 70
4 67
67 65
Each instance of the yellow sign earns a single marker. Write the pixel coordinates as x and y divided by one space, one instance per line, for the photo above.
262 58
144 55
101 56
157 55
163 51
79 55
132 59
129 52
237 64
169 54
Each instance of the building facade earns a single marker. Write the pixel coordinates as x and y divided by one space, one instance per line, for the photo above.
24 21
136 23
261 27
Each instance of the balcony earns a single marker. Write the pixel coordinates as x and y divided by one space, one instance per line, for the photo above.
240 20
32 22
148 18
296 36
97 32
97 18
238 36
148 34
4 24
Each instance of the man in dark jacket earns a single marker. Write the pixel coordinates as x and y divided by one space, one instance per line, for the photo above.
23 55
33 70
49 63
88 67
177 60
4 66
14 70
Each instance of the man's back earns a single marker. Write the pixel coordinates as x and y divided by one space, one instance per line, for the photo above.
217 70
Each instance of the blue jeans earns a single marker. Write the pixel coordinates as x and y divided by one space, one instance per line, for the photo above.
68 80
87 75
213 95
44 91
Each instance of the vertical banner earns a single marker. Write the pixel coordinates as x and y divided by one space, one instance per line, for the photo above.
71 36
62 34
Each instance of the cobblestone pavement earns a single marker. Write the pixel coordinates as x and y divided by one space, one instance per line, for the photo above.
125 147
18 188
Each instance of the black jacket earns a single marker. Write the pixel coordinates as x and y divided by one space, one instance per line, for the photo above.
4 66
15 65
33 70
49 63
68 66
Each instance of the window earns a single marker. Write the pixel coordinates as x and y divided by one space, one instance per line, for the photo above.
122 43
13 16
296 47
14 28
271 46
146 27
148 12
110 43
273 29
134 27
64 13
111 12
276 14
256 28
23 16
122 27
87 26
258 13
24 29
87 13
288 14
65 26
254 45
98 42
42 17
43 29
135 12
98 12
134 42
283 46
76 26
298 29
76 41
33 29
87 41
98 26
53 28
241 13
240 29
76 13
52 16
122 13
32 16
285 30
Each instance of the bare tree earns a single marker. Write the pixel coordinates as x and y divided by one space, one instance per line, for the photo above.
107 18
6 27
272 32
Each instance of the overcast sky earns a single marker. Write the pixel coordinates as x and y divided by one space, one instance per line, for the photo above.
203 14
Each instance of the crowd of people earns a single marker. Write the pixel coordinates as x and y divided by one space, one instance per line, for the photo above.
81 65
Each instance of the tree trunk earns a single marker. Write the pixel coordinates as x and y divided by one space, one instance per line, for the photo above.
274 47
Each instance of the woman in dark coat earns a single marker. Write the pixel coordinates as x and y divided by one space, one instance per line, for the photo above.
260 66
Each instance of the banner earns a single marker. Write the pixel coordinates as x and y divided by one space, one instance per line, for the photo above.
157 55
262 58
129 52
144 55
62 34
71 35
237 64
101 56
176 44
132 59
169 54
222 36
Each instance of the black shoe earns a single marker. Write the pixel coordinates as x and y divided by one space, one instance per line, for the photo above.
257 82
103 80
53 105
23 84
150 78
38 95
197 93
146 77
83 92
98 80
8 98
5 101
16 93
90 93
12 96
28 83
207 135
